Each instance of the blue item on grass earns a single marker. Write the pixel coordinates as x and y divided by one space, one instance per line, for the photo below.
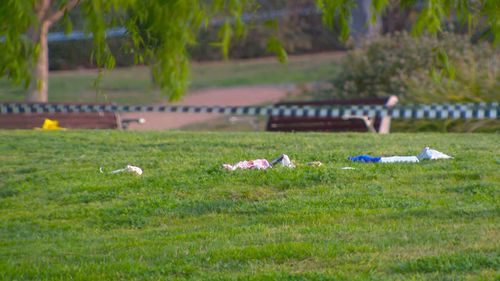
364 158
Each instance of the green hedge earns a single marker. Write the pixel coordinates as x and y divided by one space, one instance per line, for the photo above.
413 69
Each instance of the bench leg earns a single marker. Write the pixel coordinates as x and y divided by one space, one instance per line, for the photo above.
385 125
368 122
254 121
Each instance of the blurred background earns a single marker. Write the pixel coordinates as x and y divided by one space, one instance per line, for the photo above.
380 59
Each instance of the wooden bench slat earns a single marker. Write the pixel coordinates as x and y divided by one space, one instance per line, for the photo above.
316 126
80 120
286 120
359 125
330 124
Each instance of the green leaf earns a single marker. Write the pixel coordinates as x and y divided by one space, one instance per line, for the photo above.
66 22
275 46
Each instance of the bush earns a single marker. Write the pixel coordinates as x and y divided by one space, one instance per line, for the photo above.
405 66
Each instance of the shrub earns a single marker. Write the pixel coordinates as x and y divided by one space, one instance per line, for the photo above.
405 66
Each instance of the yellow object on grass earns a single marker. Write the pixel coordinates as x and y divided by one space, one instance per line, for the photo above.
49 124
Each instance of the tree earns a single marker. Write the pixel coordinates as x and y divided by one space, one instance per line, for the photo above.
161 31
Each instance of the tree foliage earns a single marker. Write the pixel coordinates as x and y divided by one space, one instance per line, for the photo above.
161 30
16 18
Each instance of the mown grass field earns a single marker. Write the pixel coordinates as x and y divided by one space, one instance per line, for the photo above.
186 218
133 85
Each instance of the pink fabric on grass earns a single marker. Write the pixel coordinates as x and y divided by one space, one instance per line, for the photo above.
259 164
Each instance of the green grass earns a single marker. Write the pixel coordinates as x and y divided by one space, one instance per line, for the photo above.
301 69
185 218
133 85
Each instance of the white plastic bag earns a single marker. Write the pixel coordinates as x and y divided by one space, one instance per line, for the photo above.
128 169
428 153
399 159
286 162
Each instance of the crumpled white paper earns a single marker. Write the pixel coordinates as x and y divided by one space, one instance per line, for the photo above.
128 169
286 162
428 153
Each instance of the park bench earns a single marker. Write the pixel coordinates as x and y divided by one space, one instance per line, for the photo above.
69 120
333 124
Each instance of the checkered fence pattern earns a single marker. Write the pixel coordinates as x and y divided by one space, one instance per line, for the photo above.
489 110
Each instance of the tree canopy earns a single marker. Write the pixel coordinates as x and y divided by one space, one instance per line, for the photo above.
161 30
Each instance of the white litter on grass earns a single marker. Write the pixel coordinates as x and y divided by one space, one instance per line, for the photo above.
399 159
286 162
128 169
314 164
260 164
348 168
428 153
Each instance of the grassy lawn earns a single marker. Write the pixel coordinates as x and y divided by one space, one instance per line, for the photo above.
185 218
133 85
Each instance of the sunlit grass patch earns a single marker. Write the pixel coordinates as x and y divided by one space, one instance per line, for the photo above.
187 218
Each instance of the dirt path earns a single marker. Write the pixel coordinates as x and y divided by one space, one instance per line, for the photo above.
235 96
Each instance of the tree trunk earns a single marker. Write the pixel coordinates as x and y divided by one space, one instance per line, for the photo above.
361 26
39 85
38 90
